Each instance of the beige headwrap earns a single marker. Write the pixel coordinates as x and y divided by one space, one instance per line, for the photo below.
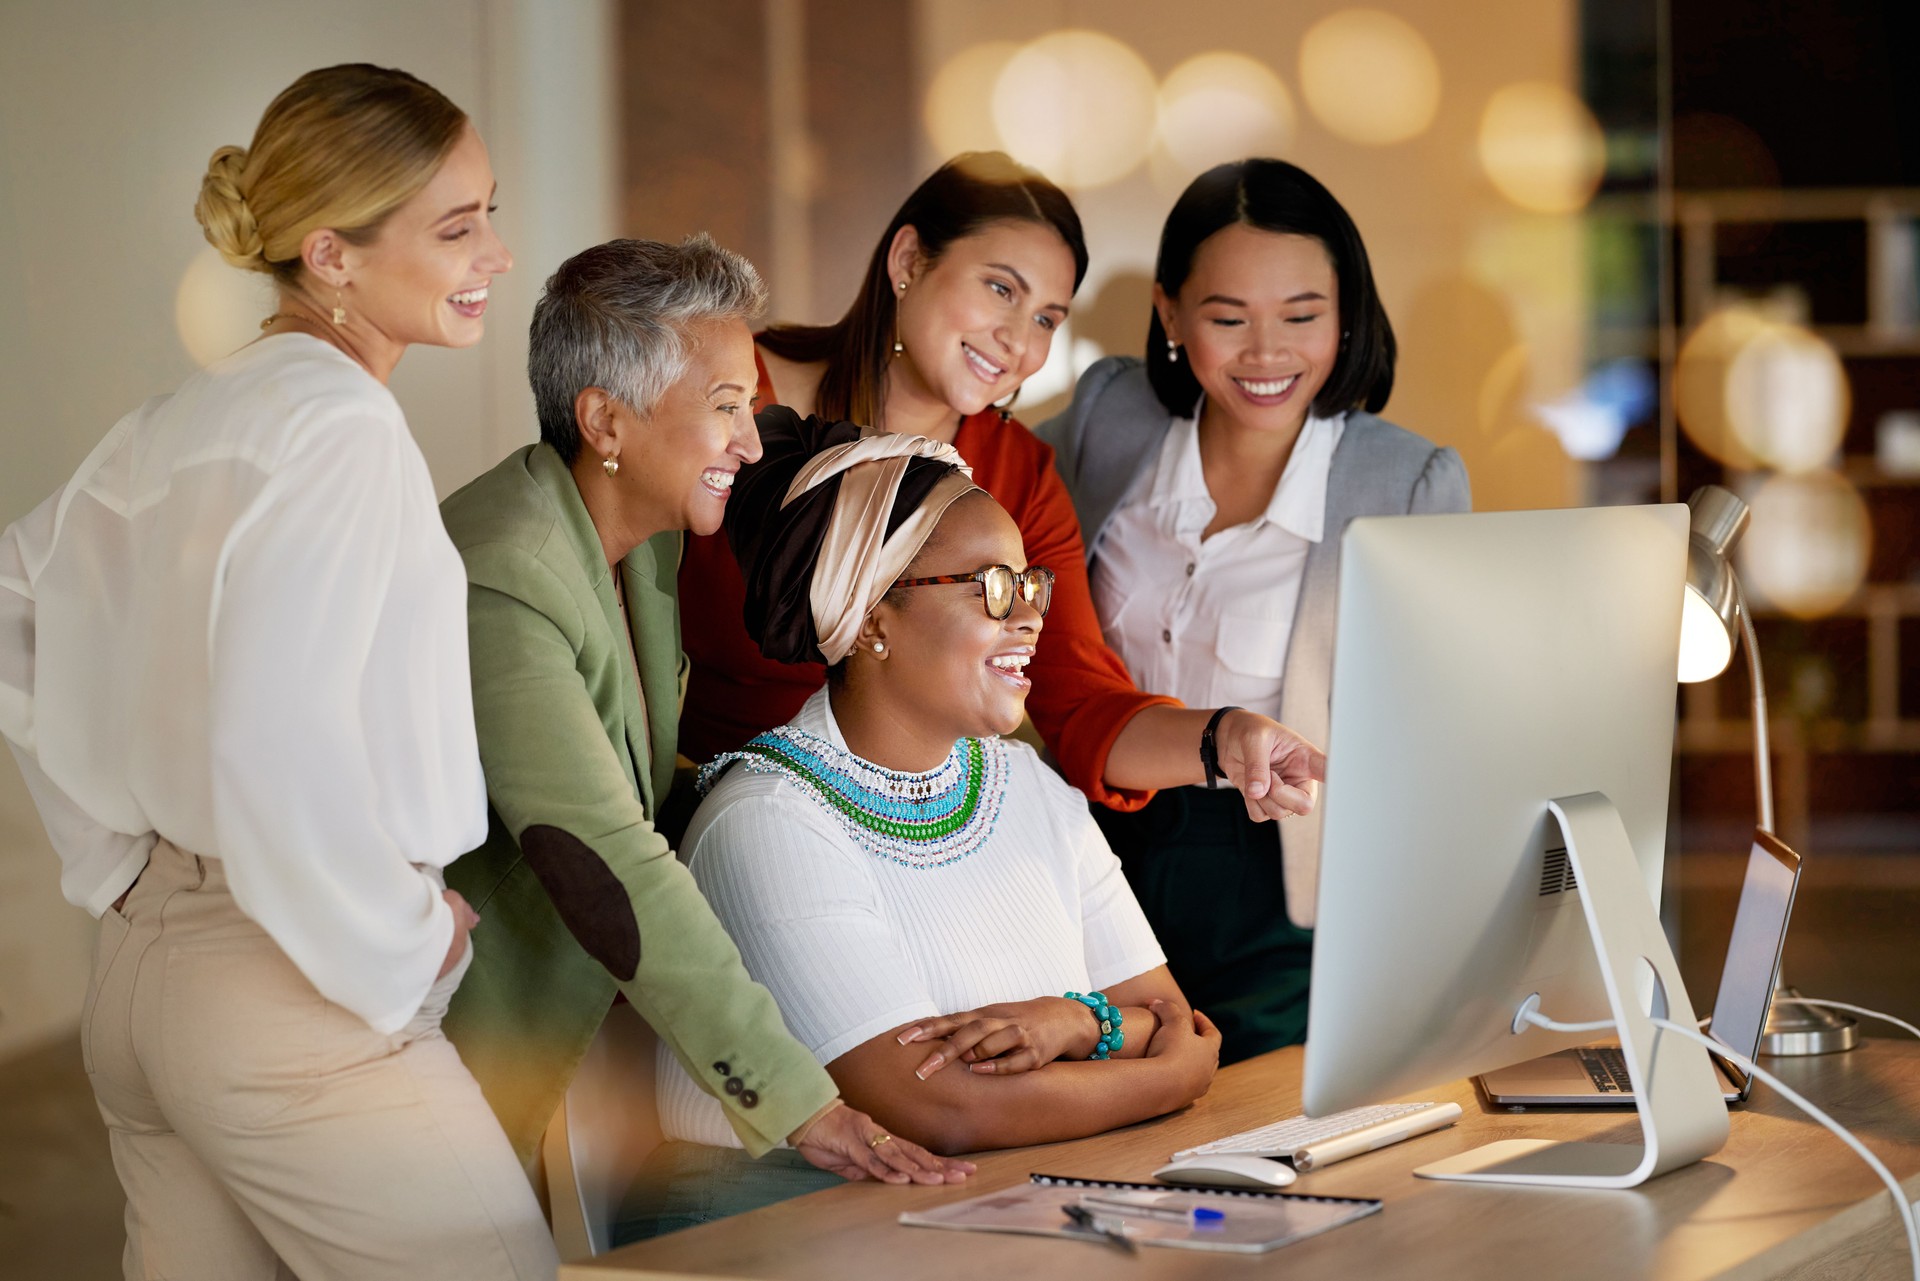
858 564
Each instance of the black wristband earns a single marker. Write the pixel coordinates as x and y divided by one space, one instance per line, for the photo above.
1209 753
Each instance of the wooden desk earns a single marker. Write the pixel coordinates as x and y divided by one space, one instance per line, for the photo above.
1783 1198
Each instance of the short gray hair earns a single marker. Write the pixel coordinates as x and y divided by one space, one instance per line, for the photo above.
616 317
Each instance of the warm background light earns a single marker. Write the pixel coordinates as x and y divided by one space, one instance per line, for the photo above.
1541 147
218 309
1787 398
958 112
1806 551
1077 105
1215 108
1369 77
1700 382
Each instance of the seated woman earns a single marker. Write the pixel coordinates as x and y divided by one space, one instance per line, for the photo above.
916 892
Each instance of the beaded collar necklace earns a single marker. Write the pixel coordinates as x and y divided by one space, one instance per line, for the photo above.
916 820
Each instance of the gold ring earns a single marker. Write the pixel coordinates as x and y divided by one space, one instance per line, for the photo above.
878 1139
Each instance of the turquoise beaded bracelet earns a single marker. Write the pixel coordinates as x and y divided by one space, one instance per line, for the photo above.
1111 1037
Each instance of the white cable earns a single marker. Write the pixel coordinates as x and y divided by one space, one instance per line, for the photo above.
1902 1207
1851 1009
1530 1013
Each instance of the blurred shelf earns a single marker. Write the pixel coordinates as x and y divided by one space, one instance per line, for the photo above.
1735 738
1864 472
1860 342
1769 204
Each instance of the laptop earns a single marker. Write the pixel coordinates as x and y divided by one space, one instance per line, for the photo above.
1596 1075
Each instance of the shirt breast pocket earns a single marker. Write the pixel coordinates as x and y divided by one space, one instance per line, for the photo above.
1251 646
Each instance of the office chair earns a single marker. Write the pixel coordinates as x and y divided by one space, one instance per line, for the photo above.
601 1134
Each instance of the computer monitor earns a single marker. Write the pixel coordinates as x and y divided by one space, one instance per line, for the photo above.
1495 820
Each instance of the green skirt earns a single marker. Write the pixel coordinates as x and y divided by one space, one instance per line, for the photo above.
1209 879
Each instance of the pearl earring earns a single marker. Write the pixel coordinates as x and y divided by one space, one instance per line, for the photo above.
612 465
879 647
1173 352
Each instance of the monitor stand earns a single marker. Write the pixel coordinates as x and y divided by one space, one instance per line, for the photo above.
1682 1114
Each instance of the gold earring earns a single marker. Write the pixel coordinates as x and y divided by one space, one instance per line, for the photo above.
612 465
339 312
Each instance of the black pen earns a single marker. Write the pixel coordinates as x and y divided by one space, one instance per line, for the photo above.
1087 1221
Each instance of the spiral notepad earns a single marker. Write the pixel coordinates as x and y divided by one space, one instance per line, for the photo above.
1252 1222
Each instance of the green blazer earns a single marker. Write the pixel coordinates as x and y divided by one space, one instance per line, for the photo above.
579 896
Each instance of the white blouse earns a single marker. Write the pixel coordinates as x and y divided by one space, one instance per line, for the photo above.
852 944
241 625
1208 620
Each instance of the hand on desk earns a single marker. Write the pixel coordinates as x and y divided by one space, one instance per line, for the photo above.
1274 768
848 1143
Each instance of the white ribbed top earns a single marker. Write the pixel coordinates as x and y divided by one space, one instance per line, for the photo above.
853 945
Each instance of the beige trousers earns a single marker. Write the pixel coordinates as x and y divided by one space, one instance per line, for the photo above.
261 1131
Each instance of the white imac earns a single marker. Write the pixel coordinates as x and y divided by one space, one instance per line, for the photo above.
1495 820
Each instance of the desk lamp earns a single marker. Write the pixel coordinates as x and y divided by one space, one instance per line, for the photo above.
1713 619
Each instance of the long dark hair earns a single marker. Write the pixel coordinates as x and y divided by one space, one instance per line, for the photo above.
1273 195
960 198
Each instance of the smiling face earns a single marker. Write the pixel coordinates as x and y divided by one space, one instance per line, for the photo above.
978 320
1258 321
424 278
683 457
961 671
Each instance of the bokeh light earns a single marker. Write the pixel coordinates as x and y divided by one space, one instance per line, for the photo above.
1700 382
1806 550
218 309
958 112
1787 398
1369 77
1541 147
1077 105
1218 107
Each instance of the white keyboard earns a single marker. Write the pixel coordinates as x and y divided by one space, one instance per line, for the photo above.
1310 1142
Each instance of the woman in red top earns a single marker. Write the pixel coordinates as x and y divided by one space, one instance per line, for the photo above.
959 307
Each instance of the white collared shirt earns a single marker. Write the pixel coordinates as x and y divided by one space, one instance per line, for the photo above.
242 626
1208 620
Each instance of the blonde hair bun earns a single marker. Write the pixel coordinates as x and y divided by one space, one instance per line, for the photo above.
223 214
341 147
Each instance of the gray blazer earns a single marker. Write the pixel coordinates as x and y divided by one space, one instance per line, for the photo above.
1113 430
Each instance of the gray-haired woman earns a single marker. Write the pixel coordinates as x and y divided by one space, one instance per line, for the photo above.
643 376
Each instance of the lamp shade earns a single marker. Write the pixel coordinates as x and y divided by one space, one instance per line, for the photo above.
1710 617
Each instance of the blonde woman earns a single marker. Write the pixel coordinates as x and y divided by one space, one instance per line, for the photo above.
234 672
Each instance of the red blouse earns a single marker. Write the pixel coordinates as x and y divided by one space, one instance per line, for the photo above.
1082 696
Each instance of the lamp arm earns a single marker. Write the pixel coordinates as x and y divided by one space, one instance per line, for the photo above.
1762 747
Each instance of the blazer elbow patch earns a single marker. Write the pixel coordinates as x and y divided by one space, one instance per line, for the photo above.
589 897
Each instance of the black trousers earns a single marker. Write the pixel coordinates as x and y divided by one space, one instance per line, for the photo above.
1209 879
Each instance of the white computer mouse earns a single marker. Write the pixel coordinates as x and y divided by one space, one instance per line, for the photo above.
1227 1171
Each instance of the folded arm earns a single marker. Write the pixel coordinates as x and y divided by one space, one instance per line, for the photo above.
1066 1099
